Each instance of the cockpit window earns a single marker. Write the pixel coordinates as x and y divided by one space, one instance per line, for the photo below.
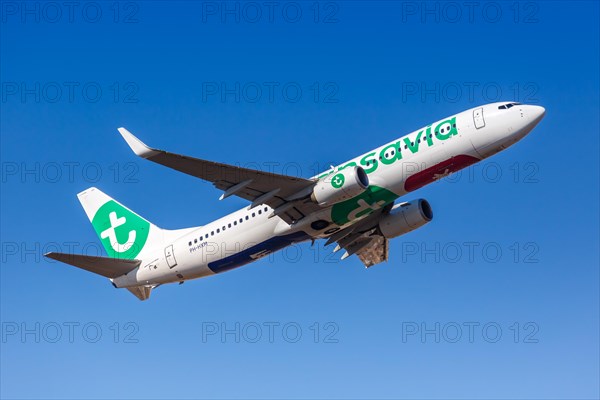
507 106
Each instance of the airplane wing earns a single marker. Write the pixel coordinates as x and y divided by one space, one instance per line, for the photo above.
287 195
364 240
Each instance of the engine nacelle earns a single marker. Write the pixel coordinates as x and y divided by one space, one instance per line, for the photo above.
340 186
405 217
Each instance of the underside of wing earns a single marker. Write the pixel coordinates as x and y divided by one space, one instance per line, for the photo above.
287 195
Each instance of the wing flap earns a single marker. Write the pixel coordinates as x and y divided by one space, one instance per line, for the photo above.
105 266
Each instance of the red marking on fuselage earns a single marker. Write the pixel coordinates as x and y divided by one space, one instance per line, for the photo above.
439 171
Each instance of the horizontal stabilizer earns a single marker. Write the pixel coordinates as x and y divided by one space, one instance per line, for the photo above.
105 266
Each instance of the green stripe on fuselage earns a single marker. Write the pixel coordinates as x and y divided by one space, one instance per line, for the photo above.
373 198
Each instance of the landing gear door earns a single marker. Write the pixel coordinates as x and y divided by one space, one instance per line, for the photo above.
170 256
478 118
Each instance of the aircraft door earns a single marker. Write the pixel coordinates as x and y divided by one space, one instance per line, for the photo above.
478 118
170 256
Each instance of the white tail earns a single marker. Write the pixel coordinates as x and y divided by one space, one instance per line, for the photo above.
123 233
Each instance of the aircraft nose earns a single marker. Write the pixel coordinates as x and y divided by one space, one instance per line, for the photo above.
535 113
530 116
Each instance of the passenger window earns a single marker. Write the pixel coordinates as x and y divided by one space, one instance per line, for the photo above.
247 218
253 215
218 230
212 233
266 209
260 211
190 243
234 222
241 220
229 225
195 241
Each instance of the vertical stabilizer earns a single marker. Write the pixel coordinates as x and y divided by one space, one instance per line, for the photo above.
123 233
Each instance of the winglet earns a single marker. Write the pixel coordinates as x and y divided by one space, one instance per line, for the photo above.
138 147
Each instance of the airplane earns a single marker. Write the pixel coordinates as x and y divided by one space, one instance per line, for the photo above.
352 204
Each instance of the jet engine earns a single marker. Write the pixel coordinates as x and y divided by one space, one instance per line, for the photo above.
405 217
339 186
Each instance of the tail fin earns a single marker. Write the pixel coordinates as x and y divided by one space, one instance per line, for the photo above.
123 233
127 238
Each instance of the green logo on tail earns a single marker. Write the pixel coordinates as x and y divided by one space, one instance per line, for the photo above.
123 234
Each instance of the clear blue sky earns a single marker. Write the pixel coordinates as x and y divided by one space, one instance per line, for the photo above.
310 93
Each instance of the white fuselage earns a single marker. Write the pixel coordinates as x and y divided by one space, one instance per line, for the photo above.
394 169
